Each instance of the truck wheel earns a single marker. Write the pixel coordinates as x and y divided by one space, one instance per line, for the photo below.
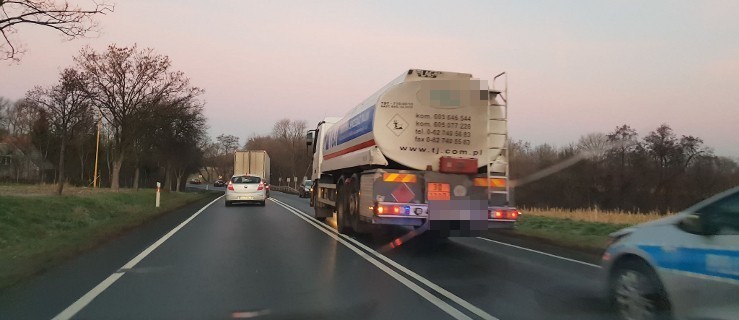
353 205
320 211
342 215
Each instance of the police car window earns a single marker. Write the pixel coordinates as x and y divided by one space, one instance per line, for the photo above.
726 211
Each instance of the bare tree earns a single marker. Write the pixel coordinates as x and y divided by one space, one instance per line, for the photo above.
227 144
66 106
71 21
5 105
122 82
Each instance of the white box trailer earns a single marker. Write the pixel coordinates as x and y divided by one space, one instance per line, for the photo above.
426 150
254 162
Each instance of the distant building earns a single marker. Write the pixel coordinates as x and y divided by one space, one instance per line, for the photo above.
21 161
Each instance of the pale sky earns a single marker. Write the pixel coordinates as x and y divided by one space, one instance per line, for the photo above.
575 66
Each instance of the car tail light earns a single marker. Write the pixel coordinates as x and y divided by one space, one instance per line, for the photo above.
261 186
230 186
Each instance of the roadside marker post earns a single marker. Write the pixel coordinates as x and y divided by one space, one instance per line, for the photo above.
159 186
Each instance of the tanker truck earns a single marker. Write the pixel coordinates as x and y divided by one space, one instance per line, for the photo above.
427 150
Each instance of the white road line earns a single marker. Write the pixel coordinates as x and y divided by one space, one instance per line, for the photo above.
333 233
441 304
82 302
539 252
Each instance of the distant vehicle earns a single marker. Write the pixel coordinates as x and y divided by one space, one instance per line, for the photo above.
426 150
252 162
245 189
219 183
305 189
195 181
684 266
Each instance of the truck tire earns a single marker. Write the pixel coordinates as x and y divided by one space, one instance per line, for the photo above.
357 224
320 210
343 222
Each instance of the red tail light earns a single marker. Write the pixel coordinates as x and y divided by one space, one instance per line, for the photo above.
513 214
388 210
230 186
261 186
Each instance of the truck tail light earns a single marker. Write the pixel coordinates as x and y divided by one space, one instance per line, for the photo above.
513 214
510 214
230 186
390 210
458 165
498 214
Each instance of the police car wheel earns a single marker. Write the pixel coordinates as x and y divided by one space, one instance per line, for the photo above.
637 293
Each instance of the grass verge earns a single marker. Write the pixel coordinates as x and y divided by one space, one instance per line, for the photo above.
583 230
39 230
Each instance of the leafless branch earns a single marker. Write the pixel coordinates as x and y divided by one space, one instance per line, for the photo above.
71 21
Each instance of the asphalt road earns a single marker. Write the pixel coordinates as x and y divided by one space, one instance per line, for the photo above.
276 262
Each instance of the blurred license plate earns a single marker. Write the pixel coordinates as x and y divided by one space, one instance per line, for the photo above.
246 198
437 191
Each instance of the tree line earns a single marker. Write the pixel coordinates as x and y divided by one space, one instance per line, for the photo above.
661 171
150 116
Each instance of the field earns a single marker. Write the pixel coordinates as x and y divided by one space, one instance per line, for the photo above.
39 229
580 229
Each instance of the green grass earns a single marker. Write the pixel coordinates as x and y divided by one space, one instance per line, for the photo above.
590 236
40 230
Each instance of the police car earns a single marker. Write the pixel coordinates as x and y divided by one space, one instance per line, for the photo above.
684 266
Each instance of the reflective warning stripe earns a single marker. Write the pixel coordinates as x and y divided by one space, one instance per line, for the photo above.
494 182
399 177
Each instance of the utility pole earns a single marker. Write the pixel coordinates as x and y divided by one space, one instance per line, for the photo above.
97 152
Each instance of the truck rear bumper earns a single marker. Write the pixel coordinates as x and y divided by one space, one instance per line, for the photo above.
418 221
416 214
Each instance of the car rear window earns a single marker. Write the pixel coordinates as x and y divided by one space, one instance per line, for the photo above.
308 183
246 179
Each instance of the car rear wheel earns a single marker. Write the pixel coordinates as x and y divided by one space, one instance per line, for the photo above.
228 203
637 293
262 203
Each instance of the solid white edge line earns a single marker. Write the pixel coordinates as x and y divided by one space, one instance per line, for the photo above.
441 304
472 308
82 302
543 253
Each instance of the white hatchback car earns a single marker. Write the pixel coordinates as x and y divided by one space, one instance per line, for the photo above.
684 266
246 188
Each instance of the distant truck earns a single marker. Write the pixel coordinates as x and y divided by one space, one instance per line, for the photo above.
252 162
427 150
